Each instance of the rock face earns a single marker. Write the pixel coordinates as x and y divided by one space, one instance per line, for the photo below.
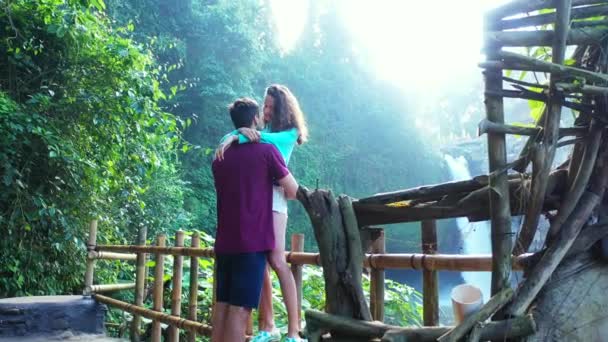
574 305
50 315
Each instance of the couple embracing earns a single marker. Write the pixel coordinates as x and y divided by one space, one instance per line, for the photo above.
252 185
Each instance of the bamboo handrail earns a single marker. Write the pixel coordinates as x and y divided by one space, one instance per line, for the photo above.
183 251
111 255
111 287
186 324
436 262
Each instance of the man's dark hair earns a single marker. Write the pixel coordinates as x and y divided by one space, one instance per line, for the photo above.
243 111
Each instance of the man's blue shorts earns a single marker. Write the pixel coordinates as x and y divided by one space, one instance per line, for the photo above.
239 278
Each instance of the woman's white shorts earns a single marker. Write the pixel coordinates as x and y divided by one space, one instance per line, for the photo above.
279 202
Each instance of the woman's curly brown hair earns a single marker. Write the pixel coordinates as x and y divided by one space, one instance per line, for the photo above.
287 113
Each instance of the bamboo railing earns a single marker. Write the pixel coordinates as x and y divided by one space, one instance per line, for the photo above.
377 261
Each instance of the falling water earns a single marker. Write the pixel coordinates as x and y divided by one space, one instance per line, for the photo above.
475 236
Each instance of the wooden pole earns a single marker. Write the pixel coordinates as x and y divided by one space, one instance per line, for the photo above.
512 8
140 282
297 246
556 251
337 234
430 283
584 36
544 153
90 270
193 299
319 322
176 292
500 209
549 18
159 273
376 284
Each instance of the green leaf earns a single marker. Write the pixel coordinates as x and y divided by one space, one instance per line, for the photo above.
99 4
536 109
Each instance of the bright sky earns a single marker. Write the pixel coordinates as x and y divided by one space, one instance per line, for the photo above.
421 42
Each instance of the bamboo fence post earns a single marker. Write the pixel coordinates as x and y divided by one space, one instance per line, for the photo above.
214 290
376 284
430 284
159 274
90 269
500 209
297 245
140 282
176 292
193 299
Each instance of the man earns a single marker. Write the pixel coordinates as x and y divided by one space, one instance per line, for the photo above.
243 183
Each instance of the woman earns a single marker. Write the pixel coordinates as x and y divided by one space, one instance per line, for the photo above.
285 126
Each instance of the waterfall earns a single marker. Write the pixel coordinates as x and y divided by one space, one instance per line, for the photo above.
475 236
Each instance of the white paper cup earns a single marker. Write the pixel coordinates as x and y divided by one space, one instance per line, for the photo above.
466 299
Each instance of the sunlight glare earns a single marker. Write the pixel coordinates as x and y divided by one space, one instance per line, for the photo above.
411 44
289 17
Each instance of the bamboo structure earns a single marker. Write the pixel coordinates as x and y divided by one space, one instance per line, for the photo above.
569 195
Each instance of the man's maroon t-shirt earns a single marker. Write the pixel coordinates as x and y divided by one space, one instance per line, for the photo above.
243 184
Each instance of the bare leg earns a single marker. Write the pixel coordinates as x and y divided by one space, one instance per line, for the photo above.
236 324
279 265
220 315
266 314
